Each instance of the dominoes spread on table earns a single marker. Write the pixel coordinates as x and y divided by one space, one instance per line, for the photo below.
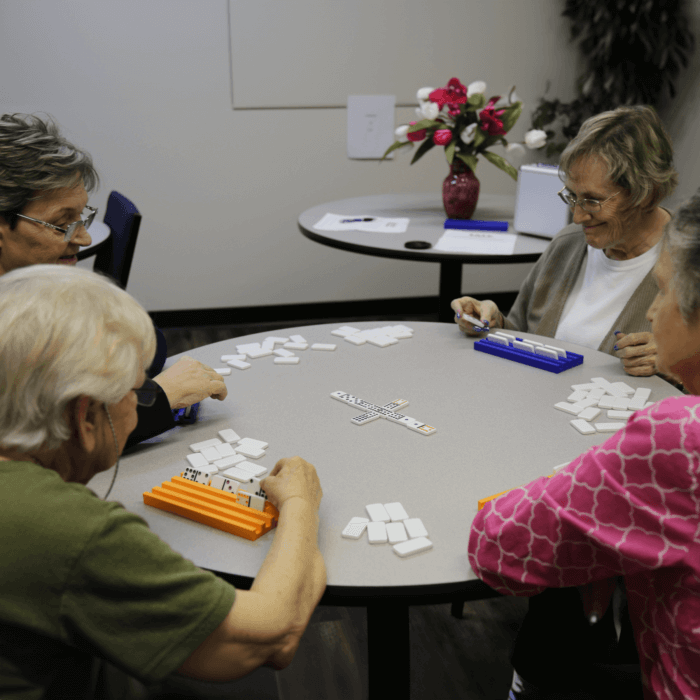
389 522
372 412
528 352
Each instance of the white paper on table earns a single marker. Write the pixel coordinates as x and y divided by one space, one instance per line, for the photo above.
375 224
477 242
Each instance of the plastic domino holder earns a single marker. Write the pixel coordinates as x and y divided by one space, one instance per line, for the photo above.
487 346
209 506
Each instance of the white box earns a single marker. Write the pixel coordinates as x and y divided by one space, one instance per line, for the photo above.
538 208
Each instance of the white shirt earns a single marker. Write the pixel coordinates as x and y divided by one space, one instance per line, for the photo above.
601 290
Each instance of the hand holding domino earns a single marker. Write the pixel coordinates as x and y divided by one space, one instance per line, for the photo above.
189 381
475 317
290 478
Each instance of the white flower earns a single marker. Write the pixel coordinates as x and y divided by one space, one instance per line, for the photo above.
478 86
419 113
467 134
515 149
424 93
401 132
429 110
535 138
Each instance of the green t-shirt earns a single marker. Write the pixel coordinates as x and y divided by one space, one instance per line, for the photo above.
81 578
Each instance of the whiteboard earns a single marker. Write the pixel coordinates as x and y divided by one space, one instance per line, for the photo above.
314 53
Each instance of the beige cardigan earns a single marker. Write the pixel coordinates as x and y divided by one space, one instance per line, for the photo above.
544 292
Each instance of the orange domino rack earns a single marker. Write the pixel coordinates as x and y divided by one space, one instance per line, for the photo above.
210 506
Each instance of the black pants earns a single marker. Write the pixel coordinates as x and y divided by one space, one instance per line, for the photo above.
557 650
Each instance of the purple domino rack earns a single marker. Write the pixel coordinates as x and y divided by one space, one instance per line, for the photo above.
572 359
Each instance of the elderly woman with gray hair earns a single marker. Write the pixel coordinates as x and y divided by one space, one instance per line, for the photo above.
593 284
92 603
628 508
44 218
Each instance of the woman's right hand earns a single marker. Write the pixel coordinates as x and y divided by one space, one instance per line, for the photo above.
486 311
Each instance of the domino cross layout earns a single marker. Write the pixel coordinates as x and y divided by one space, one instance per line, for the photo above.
372 412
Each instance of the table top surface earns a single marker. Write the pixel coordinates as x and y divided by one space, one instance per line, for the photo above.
99 232
427 219
497 428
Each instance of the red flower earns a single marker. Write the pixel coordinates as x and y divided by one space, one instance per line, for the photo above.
416 135
442 137
489 120
453 95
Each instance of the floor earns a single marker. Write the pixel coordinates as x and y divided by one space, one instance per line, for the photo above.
450 658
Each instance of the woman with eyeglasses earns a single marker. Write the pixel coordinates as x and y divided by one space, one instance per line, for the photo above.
44 219
593 284
93 604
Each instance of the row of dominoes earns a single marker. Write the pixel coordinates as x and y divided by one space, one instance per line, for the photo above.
588 401
373 412
382 337
389 522
283 355
528 352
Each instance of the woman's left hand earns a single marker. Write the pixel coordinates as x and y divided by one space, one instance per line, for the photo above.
637 352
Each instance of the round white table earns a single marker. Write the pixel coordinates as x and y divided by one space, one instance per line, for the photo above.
496 425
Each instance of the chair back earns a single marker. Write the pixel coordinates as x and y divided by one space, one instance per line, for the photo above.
123 219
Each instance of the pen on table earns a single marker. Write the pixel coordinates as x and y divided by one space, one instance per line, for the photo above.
349 221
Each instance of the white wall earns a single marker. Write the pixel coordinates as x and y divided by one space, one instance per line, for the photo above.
144 86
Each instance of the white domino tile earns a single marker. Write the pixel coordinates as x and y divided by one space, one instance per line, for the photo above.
345 331
240 475
225 450
355 340
608 427
624 388
560 351
229 435
287 360
396 532
577 396
583 387
568 408
584 427
498 339
211 454
586 403
607 402
323 346
376 532
354 530
546 352
260 444
239 364
248 451
298 339
415 527
197 460
225 462
412 546
256 354
296 346
396 512
620 415
382 341
226 358
223 371
281 352
621 404
253 469
521 345
199 446
378 513
276 339
590 413
365 418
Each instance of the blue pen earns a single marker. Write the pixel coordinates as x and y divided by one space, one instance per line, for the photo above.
349 221
472 225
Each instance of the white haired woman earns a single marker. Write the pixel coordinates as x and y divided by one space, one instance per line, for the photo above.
643 522
44 215
593 284
85 586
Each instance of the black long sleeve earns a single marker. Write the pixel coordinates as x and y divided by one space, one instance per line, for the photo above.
153 420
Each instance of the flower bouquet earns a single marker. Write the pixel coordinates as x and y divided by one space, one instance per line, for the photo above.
461 120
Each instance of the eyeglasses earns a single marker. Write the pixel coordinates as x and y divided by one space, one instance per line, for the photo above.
147 393
70 231
589 205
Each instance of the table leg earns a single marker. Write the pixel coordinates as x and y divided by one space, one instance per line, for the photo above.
450 288
389 650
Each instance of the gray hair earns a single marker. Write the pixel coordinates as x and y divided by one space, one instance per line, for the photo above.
64 332
682 241
34 158
634 144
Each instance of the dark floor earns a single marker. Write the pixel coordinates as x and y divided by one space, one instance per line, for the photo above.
450 658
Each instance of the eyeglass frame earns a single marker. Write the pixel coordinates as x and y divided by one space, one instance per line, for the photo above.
147 393
577 201
72 228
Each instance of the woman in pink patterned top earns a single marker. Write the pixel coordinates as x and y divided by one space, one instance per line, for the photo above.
629 507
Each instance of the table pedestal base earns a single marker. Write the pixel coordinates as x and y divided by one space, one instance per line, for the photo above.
450 288
389 650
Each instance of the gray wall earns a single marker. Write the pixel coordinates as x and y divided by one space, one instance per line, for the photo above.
145 86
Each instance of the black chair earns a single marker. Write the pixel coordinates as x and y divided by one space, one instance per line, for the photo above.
115 257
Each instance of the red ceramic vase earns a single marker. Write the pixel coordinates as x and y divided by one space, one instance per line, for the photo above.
460 191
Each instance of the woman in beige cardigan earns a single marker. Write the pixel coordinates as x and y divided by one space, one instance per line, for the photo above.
593 284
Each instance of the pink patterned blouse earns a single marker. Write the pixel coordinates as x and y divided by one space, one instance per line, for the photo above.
631 507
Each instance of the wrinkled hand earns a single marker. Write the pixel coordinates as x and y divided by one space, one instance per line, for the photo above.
486 311
637 352
189 381
291 478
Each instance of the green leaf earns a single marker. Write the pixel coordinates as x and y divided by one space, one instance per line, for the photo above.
512 115
394 146
426 124
467 159
450 151
501 163
477 101
422 149
479 137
